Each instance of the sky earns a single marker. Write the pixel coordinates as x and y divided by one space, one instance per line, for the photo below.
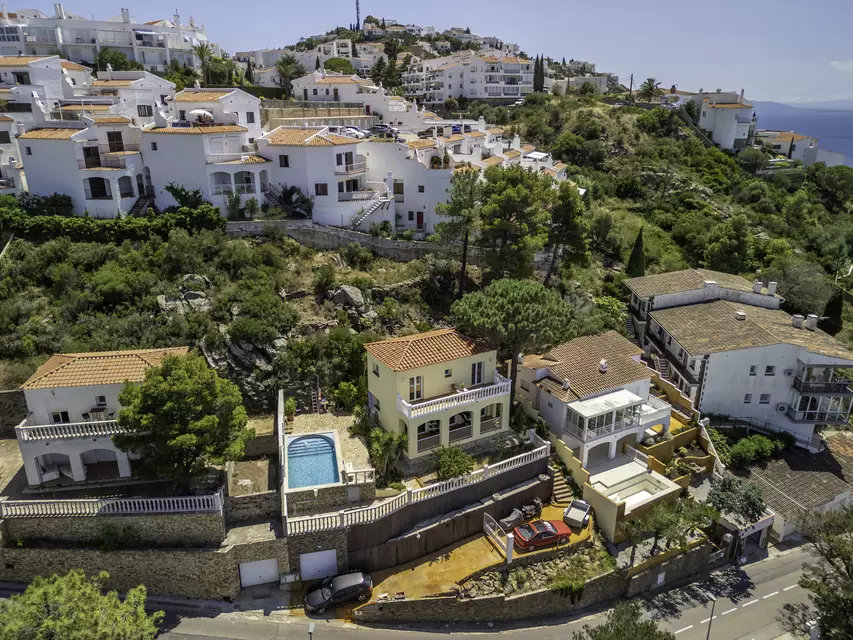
782 50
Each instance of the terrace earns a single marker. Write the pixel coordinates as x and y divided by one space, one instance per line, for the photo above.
454 398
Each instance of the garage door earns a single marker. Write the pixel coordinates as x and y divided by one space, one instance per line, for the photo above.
318 564
260 572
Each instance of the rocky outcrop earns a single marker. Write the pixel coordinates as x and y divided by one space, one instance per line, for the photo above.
188 301
349 296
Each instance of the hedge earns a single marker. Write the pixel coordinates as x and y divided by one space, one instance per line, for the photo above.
115 230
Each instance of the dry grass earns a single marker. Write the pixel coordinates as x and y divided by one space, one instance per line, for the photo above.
252 476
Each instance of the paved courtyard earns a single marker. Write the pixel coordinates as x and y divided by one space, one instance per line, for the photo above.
353 448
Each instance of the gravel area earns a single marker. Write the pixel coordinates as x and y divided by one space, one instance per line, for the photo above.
354 449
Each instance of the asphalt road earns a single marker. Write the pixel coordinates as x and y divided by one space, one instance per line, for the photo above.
748 600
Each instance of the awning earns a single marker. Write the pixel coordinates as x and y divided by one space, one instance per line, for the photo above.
146 33
201 112
536 155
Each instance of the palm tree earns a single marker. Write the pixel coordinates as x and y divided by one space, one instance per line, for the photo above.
649 90
289 69
386 448
204 52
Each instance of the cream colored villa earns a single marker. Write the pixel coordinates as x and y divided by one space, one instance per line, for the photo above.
440 387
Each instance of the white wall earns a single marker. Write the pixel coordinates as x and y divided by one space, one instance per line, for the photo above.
179 158
48 169
705 294
75 400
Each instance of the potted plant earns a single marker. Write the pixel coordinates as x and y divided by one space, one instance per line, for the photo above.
290 408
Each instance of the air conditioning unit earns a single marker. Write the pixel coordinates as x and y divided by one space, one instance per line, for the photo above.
781 407
789 373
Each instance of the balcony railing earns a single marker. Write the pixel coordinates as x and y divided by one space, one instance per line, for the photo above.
818 417
64 431
7 183
500 387
834 386
346 169
430 442
616 427
117 147
244 188
350 196
654 410
110 506
222 189
460 433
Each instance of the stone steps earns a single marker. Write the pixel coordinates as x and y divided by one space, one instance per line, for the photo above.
562 492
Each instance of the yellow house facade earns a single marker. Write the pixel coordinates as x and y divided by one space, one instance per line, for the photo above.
439 387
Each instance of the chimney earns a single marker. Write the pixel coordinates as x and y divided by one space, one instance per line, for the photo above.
740 315
771 288
710 284
811 321
757 286
3 13
19 127
565 385
741 96
60 10
602 366
177 20
797 321
125 15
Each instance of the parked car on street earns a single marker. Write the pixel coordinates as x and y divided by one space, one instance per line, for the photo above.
518 103
541 533
355 132
384 128
337 590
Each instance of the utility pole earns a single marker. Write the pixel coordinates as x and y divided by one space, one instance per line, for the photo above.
711 619
630 90
357 15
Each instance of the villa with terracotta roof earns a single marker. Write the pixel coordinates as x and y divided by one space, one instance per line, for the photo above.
440 388
72 404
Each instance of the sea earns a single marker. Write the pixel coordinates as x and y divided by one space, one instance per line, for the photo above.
833 128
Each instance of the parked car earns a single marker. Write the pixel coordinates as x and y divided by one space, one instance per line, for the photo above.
384 128
426 134
355 132
541 533
337 590
518 103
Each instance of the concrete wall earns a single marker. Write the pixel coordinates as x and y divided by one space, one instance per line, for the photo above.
579 474
255 506
13 409
191 530
678 567
466 522
335 539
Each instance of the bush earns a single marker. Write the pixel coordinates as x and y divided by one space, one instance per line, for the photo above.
751 449
357 256
324 278
452 462
346 396
58 204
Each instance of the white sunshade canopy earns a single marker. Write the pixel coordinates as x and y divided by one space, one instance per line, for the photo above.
536 155
606 403
201 112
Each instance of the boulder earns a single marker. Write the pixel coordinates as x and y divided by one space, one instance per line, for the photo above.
170 305
194 295
195 281
349 296
198 304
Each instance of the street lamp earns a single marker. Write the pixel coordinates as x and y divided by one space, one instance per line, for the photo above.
311 631
710 620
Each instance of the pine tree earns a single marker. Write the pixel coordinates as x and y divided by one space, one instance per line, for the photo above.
317 64
637 261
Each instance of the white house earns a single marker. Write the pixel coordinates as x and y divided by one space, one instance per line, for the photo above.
198 106
154 43
72 404
139 92
598 82
39 83
728 117
798 147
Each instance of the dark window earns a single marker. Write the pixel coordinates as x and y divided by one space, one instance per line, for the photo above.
28 151
315 92
60 417
284 161
321 189
153 146
421 188
376 369
145 110
4 137
769 371
250 117
411 216
251 141
182 115
398 188
448 373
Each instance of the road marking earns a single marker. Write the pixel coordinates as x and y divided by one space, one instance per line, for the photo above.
684 629
749 603
769 595
729 611
793 586
707 619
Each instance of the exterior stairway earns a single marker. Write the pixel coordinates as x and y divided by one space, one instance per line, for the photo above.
662 367
379 202
142 203
562 492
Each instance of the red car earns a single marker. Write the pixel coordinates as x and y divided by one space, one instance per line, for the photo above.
541 533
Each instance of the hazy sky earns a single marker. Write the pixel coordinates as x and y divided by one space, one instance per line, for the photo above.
787 50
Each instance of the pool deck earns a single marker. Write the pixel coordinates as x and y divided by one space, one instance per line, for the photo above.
353 448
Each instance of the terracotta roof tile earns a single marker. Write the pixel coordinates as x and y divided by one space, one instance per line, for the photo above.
512 153
112 83
49 134
493 161
19 61
96 368
5 118
425 349
112 120
197 95
312 137
224 128
73 66
247 160
685 280
421 144
496 131
343 80
86 107
477 134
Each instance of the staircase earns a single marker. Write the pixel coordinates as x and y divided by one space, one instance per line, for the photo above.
142 203
273 195
562 492
662 367
373 205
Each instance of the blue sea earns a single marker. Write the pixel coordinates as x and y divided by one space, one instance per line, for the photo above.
834 128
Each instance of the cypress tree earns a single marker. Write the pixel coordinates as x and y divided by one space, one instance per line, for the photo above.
637 261
536 73
317 64
249 76
831 320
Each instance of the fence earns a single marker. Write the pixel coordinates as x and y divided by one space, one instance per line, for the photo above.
110 506
326 522
503 541
762 426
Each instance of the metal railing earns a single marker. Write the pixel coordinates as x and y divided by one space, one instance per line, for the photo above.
834 386
110 506
117 147
70 430
325 522
460 433
355 167
819 417
762 426
350 196
430 442
500 387
222 189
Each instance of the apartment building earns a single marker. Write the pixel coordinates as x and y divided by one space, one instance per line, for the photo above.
439 387
787 143
724 342
600 83
72 407
728 117
153 44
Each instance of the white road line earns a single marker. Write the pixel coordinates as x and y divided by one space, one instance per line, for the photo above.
729 611
706 620
749 603
769 595
684 629
793 586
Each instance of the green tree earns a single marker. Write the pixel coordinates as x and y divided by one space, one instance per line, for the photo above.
515 214
452 462
691 110
518 315
659 521
204 52
569 147
830 579
834 185
805 285
567 234
392 77
289 69
339 65
116 59
587 89
317 63
624 622
730 246
752 160
831 321
74 606
385 449
634 532
736 497
377 73
649 90
183 418
637 260
249 76
460 216
451 105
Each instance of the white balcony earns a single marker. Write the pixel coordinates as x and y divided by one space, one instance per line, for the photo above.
94 429
453 400
654 411
349 169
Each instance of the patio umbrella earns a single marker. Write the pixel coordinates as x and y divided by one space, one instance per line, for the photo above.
201 113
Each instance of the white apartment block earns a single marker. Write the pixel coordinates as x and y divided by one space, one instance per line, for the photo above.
727 117
600 83
724 342
798 147
153 44
362 55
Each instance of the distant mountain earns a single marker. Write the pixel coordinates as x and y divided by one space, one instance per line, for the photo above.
779 108
828 105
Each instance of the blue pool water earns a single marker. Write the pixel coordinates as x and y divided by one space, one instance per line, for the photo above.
311 461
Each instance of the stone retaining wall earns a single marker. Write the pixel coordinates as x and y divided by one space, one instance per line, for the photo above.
335 539
189 530
255 506
13 409
679 567
330 498
262 445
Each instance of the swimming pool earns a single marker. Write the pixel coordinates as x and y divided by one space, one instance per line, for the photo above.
311 460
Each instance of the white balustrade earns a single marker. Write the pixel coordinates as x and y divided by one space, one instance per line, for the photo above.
69 430
360 476
500 387
110 506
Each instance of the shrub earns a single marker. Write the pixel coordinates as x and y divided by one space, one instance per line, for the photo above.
751 449
408 235
290 407
324 278
58 204
452 462
357 256
346 396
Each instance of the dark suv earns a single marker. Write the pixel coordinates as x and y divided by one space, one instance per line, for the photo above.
337 590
